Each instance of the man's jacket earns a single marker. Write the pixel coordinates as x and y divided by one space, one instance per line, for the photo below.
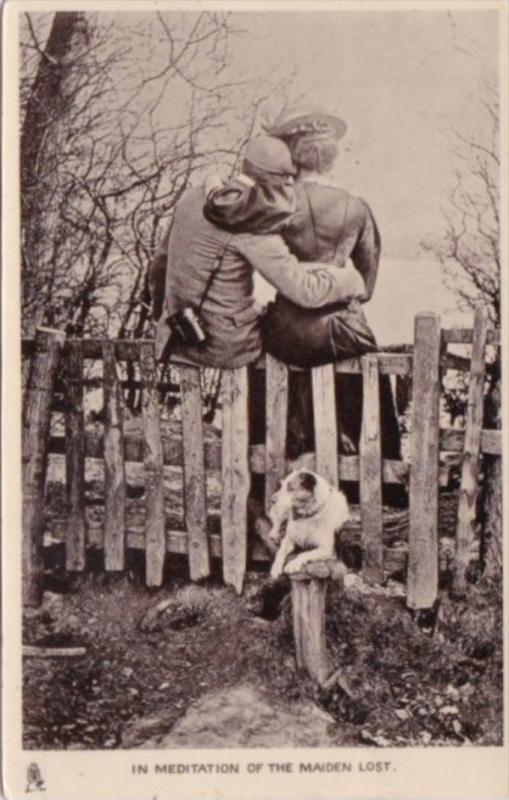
230 316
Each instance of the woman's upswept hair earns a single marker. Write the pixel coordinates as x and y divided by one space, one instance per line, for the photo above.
312 152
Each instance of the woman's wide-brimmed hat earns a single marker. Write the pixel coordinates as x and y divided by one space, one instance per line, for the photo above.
307 118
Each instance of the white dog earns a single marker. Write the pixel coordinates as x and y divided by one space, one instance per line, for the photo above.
313 511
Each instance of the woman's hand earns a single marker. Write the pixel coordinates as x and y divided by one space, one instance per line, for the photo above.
212 183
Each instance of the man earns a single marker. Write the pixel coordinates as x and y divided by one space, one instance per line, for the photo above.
210 270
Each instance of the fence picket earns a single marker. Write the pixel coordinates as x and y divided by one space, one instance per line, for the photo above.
422 586
370 466
195 502
235 475
276 416
36 425
114 467
326 430
465 532
155 536
75 457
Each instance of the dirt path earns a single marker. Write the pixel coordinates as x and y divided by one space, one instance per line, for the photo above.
402 686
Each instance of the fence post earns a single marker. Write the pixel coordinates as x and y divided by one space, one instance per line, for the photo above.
309 594
195 502
326 427
235 475
36 425
370 477
276 404
465 533
308 615
114 466
155 534
422 585
75 457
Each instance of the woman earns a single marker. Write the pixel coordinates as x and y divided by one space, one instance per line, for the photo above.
329 225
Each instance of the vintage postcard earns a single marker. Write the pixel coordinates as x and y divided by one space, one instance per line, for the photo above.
254 399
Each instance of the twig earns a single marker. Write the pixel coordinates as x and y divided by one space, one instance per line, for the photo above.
31 651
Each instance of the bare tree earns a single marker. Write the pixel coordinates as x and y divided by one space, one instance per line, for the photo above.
45 104
151 102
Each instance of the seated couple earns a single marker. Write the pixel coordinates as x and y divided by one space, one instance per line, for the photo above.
281 218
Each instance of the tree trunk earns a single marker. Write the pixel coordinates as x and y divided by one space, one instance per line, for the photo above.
492 552
50 95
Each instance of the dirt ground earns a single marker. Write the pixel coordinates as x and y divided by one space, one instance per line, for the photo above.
402 684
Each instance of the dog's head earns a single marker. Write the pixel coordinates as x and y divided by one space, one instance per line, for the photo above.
302 494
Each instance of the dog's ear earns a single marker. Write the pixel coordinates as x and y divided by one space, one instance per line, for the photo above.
304 495
307 481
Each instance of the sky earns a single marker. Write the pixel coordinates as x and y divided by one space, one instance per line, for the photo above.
402 80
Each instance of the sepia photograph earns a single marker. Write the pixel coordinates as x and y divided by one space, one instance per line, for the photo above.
254 307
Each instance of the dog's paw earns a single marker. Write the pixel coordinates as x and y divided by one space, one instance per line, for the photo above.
293 566
276 572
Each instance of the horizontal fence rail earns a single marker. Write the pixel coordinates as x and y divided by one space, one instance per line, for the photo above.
224 532
451 440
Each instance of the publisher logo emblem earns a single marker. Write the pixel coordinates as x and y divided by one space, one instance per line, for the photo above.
35 782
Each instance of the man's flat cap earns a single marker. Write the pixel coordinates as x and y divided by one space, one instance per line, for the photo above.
270 155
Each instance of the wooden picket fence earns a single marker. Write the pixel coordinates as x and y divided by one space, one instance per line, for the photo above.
238 460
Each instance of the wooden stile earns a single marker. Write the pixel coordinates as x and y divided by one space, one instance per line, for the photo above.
75 457
155 535
276 425
423 533
114 466
235 474
236 459
326 429
195 501
465 532
36 425
370 466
